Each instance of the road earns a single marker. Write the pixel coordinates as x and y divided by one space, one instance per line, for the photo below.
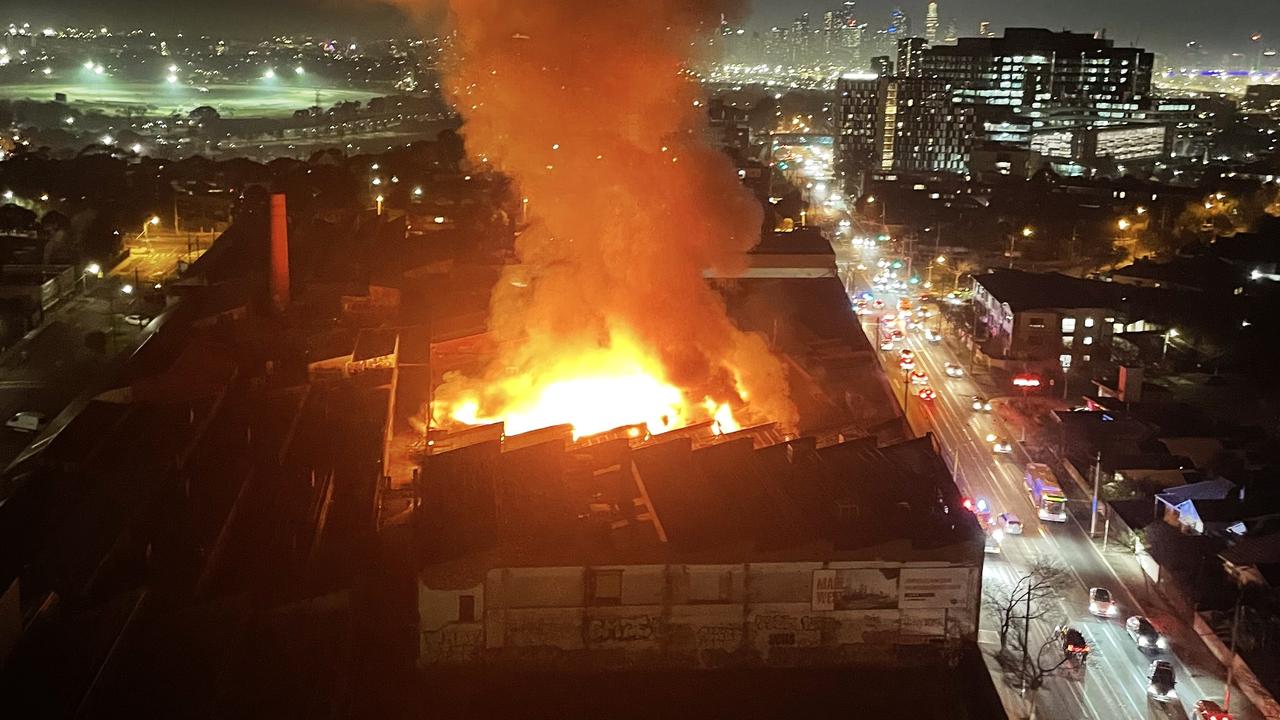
156 256
1113 682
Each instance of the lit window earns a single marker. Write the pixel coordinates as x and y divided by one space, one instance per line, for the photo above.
1065 360
1088 322
1118 328
1088 340
1085 358
1068 325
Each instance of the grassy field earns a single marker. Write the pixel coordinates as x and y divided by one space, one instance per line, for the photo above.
242 101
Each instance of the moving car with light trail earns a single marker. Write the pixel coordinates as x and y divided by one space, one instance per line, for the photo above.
980 404
1010 523
1000 445
953 370
1144 634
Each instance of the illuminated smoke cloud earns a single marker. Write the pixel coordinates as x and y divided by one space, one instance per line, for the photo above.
588 105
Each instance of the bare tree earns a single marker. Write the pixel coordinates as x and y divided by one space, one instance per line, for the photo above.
1029 670
1027 599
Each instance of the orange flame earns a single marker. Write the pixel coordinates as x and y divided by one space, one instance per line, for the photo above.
608 321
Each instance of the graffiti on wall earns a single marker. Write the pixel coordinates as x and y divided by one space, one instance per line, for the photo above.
719 637
452 642
622 629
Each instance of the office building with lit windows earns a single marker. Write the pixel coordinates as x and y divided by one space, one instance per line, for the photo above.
901 124
1033 79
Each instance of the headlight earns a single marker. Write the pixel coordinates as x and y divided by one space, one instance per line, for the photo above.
1172 693
1162 643
1093 607
1143 642
1152 690
1112 611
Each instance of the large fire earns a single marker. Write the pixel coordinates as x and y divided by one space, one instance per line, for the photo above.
607 321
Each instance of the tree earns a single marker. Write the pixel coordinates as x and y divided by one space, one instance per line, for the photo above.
1029 598
1027 667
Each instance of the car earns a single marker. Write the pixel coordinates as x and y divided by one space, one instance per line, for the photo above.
904 304
898 335
26 421
878 305
991 545
887 344
1074 643
886 319
980 404
1001 446
906 353
953 370
980 508
932 336
136 319
919 377
907 364
1144 634
1160 682
1101 603
1010 523
1210 710
926 393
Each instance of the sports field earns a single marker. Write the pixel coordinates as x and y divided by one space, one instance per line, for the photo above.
242 101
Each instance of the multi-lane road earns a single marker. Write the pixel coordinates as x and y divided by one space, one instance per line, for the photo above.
1113 681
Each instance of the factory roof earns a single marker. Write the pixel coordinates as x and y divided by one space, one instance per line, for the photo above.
564 504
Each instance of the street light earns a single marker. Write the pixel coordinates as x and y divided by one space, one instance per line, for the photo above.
153 220
1124 224
379 200
1170 333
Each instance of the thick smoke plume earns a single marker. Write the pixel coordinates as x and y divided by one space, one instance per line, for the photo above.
588 105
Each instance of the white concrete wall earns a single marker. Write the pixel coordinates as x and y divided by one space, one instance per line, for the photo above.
700 614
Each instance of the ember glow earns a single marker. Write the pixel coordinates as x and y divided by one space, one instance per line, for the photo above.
607 321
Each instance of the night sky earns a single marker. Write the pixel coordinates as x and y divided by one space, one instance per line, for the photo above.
1161 24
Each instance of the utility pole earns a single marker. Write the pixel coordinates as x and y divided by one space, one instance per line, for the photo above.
1231 663
1026 636
1097 480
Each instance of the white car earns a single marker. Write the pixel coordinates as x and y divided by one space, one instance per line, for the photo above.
932 336
999 445
26 421
981 404
953 370
1101 603
1010 523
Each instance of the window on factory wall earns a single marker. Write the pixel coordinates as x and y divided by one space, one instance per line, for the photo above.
1088 322
710 586
1064 360
1068 325
1086 358
1088 340
606 587
1068 341
1036 323
466 608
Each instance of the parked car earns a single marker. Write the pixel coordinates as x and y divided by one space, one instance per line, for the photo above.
1210 710
26 421
1144 634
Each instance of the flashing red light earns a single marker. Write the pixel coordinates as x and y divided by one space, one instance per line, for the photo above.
968 504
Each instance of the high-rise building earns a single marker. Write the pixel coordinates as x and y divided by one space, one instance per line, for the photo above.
1032 79
910 52
953 33
899 24
882 65
931 23
897 124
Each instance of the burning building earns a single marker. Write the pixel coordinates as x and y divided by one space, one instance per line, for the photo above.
606 320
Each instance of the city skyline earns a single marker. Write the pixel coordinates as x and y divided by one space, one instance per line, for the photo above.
1164 25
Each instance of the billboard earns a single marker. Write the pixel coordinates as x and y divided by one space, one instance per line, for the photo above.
855 589
931 588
